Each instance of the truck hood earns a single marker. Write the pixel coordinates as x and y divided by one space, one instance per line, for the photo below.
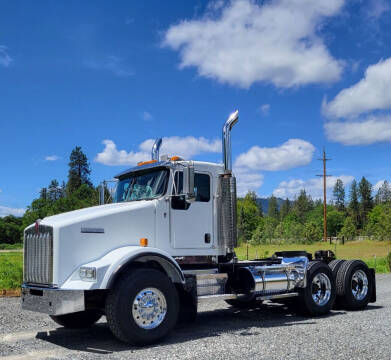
94 213
86 235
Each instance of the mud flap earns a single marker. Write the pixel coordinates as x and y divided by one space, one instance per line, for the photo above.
372 274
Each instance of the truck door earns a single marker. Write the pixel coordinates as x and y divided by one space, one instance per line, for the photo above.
192 224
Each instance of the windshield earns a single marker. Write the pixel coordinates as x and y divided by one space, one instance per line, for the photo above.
142 186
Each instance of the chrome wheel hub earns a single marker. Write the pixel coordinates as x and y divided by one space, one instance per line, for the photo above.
149 308
321 289
359 285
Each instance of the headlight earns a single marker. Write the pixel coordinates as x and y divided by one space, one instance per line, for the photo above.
87 273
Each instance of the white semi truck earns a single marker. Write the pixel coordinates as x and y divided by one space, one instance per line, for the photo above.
166 243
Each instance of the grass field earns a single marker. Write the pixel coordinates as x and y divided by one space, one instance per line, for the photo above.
11 246
11 268
372 252
11 262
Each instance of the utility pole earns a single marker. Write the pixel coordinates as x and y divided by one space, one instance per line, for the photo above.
324 176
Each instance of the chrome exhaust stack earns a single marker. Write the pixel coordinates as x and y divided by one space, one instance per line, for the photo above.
227 158
156 148
227 191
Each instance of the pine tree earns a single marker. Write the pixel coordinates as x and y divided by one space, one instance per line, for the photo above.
285 208
79 170
63 189
366 200
339 195
383 194
43 194
354 206
302 205
272 210
53 190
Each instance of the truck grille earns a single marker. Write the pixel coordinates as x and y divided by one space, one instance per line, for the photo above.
38 255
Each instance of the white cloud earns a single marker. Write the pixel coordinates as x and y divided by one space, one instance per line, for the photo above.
373 92
4 211
291 154
110 63
265 109
146 116
364 132
378 185
313 187
5 59
247 181
186 147
243 43
51 158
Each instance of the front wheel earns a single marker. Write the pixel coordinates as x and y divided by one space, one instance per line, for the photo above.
77 320
143 307
318 297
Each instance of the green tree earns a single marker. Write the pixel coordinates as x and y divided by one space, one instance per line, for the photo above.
312 232
248 217
354 205
285 209
43 194
272 210
339 195
54 191
348 229
383 194
366 200
79 170
302 205
335 221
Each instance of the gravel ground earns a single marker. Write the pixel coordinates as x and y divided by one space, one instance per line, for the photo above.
270 332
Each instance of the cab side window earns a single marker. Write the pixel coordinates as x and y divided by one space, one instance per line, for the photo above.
201 189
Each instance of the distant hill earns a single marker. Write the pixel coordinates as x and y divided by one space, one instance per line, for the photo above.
265 203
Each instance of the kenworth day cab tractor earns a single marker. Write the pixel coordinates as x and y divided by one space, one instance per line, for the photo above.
166 243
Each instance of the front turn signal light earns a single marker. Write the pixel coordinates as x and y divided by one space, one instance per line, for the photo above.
143 242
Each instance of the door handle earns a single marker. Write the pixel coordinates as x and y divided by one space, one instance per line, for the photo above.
207 238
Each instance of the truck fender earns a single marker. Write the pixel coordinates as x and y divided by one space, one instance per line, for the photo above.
143 255
114 262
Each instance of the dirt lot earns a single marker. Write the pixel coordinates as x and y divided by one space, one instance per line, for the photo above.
270 332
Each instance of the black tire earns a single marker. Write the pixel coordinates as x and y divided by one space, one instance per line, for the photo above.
308 306
120 302
335 265
244 302
347 284
77 320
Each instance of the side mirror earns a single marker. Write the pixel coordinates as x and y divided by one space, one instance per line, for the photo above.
188 183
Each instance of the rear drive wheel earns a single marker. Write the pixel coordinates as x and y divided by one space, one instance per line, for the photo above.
244 302
143 307
354 285
318 297
77 320
335 265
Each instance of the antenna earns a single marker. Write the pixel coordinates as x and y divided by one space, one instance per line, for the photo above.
324 176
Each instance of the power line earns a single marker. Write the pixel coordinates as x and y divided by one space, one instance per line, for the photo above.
324 176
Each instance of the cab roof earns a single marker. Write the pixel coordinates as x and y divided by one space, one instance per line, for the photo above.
201 165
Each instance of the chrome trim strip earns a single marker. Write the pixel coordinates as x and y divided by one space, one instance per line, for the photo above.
87 230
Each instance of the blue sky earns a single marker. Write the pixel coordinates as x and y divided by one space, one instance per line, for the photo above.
110 77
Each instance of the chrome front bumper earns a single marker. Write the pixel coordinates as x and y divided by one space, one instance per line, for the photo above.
52 301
